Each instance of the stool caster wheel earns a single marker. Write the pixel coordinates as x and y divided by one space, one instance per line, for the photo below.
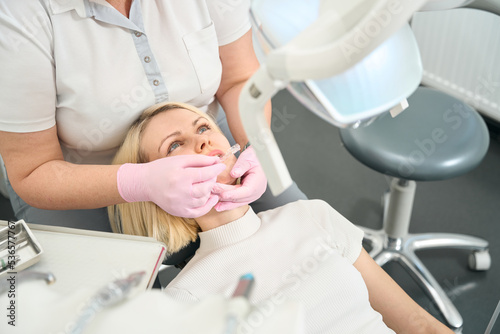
480 261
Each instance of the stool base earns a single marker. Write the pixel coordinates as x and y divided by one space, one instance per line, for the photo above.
386 249
395 243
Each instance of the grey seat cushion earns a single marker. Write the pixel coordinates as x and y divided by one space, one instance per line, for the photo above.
437 137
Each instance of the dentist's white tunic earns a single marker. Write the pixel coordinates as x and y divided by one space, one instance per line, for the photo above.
302 251
83 65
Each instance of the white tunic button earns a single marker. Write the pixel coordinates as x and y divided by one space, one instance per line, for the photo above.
156 82
138 34
147 59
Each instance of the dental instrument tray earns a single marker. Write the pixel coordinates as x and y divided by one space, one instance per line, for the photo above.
19 248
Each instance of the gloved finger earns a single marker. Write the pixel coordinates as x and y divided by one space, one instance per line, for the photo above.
221 187
225 206
203 189
242 194
240 167
253 185
204 209
202 174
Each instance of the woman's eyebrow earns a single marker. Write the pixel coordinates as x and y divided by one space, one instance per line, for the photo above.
176 133
196 120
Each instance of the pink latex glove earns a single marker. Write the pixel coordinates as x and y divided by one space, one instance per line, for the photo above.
180 185
253 183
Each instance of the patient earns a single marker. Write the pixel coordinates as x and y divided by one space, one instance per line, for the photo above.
303 251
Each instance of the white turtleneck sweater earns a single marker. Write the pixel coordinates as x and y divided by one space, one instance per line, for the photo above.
302 251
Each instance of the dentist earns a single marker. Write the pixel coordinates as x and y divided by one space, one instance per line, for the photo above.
77 73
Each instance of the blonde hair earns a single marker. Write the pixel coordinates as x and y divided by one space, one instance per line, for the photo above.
146 218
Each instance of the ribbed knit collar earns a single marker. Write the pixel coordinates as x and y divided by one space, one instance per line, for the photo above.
230 233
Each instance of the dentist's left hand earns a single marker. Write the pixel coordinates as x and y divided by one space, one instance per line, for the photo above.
253 182
180 185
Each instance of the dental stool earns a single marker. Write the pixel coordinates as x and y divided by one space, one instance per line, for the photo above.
436 138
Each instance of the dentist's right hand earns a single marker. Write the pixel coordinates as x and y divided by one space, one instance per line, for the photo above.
180 185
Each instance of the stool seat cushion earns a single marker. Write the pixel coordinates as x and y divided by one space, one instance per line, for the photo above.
437 137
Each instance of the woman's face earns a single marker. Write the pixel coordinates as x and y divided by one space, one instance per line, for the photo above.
182 132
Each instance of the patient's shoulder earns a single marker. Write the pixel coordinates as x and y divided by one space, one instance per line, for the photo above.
309 205
310 215
300 211
325 215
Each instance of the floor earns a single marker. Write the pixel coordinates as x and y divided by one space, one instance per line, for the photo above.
469 204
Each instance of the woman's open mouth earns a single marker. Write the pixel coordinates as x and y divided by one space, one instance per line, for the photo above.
215 153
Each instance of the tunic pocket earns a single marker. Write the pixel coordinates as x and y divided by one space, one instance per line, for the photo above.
203 49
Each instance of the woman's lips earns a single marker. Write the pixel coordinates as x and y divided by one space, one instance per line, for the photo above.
216 153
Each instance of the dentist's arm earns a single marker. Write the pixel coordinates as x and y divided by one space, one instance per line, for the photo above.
41 177
239 63
401 313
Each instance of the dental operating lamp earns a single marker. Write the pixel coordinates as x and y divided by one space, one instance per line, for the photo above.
347 61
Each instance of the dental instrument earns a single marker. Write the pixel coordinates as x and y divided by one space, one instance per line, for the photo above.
231 151
366 46
238 308
5 241
111 294
28 275
18 247
244 286
48 277
6 264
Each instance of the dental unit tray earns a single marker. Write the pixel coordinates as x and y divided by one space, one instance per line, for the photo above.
20 243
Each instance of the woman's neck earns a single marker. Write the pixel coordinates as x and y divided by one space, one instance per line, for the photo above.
215 219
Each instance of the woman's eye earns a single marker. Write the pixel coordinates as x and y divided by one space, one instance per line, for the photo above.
172 147
203 128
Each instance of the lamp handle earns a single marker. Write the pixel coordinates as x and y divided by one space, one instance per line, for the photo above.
259 89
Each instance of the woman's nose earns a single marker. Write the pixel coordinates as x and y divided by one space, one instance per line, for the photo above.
201 143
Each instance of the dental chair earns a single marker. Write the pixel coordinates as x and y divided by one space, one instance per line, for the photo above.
437 137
